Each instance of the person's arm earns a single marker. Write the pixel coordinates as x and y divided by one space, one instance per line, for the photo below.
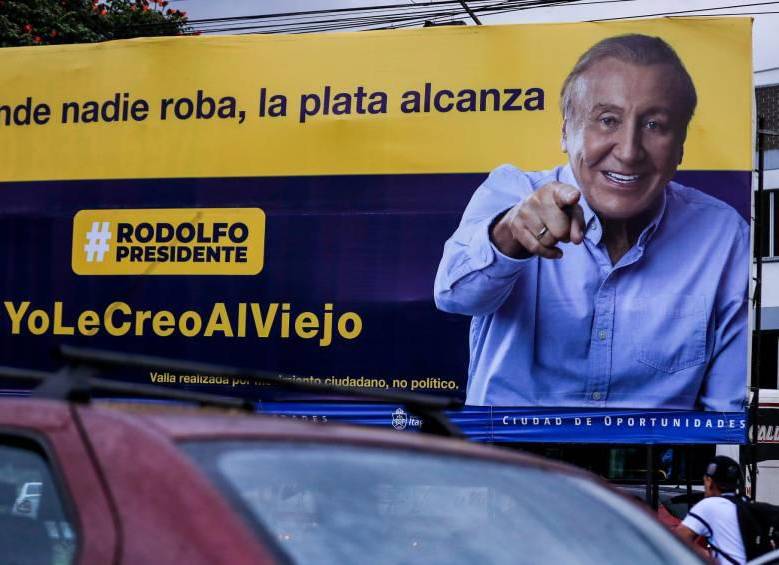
496 240
696 524
689 536
724 387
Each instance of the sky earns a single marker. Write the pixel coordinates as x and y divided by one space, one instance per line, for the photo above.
765 36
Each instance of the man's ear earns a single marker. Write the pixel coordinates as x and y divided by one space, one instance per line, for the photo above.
681 149
563 139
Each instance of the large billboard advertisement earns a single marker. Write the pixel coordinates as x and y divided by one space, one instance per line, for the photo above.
550 222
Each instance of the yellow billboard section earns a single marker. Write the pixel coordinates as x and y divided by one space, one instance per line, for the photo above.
186 241
448 100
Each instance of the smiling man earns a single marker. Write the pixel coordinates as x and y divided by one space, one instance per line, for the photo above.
603 283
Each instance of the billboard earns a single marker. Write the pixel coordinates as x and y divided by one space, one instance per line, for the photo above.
405 210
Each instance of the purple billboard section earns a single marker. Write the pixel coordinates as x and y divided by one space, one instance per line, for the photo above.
368 244
733 187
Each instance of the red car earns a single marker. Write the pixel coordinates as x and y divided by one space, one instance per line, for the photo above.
160 484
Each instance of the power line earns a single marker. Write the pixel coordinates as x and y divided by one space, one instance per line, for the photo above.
375 17
327 25
397 16
735 14
328 11
751 5
296 23
504 10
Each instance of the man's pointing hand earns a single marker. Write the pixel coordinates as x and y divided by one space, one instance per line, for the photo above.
535 226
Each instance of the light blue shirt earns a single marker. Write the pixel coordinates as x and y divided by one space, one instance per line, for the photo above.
666 327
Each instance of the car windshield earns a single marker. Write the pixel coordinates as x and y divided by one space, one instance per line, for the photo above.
345 504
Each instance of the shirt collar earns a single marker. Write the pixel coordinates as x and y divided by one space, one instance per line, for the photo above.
594 230
651 228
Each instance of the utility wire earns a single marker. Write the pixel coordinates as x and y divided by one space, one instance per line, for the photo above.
396 16
734 14
341 22
364 17
297 18
286 21
507 5
750 5
410 15
387 10
330 11
330 25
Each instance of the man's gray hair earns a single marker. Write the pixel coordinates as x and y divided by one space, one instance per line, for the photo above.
636 49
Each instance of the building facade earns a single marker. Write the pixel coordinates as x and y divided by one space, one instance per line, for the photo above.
767 106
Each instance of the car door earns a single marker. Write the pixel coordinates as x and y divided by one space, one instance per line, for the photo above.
169 512
71 520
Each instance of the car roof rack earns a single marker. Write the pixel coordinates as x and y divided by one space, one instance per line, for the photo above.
78 381
77 384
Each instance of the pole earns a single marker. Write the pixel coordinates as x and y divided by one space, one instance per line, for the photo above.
650 476
470 12
655 485
688 475
755 406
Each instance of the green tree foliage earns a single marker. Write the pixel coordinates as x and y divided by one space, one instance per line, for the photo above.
48 22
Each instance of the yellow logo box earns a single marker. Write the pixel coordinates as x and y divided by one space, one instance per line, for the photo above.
169 241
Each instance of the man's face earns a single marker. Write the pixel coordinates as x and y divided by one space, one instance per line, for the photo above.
625 136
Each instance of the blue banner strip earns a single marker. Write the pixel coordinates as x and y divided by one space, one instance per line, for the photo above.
526 425
540 425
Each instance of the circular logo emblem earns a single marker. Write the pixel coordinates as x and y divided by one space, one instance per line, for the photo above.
399 419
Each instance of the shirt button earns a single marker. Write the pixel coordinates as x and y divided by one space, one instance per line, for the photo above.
602 334
596 395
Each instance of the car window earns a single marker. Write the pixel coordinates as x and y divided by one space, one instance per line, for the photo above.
33 526
345 504
32 489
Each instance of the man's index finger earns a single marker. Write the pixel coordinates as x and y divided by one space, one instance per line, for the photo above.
565 195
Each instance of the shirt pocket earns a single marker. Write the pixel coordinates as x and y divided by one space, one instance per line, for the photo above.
669 331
